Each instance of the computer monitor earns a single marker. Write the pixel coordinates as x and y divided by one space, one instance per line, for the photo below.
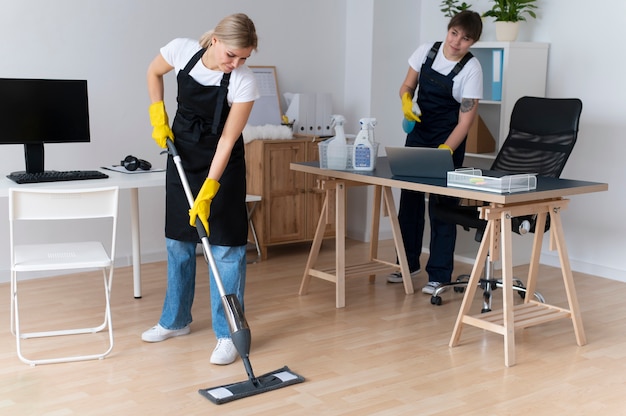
38 111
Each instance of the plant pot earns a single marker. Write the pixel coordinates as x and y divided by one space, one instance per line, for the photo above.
507 31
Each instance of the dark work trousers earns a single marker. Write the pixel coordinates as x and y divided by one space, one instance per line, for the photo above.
411 216
439 117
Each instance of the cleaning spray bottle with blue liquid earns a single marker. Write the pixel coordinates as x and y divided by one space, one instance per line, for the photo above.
409 125
364 156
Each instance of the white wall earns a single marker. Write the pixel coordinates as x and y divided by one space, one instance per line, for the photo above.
110 43
380 37
326 46
585 62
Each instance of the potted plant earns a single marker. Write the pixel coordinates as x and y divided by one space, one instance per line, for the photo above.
451 7
508 14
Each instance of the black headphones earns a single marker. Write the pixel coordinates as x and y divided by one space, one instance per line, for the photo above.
132 163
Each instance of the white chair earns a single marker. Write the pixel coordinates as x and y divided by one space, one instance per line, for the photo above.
31 210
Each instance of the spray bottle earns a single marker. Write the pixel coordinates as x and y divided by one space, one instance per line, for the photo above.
409 125
337 151
364 157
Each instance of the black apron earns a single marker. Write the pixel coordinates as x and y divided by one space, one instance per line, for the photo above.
440 111
197 127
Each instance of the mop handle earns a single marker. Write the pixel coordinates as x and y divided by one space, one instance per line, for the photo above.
200 227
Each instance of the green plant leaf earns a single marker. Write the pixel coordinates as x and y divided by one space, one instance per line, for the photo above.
451 7
511 10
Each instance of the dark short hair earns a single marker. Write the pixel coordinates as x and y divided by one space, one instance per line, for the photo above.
470 22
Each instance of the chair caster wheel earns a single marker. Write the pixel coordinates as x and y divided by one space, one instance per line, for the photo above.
435 300
485 310
459 289
522 294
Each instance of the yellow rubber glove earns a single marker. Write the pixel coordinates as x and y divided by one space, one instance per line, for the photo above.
161 129
445 146
407 108
202 205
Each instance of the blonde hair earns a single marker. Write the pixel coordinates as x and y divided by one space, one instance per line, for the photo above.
237 31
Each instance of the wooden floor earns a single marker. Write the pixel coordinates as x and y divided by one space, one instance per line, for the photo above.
386 353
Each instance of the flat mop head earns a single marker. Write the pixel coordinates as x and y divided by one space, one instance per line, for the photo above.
271 381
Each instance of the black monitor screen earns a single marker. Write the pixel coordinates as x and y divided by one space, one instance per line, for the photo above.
37 111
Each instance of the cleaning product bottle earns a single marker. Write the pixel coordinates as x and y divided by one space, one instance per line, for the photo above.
337 151
364 156
371 123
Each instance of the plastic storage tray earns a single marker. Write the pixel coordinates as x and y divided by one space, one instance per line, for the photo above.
323 148
474 179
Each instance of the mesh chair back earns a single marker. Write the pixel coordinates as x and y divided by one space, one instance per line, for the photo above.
541 137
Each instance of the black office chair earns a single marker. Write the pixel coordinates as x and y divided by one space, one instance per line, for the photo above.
541 137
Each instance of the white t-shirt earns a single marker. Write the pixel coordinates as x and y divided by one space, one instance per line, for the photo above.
467 84
242 85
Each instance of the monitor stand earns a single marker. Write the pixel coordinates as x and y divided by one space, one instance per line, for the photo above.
33 157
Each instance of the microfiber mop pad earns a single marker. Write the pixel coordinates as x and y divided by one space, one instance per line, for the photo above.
270 381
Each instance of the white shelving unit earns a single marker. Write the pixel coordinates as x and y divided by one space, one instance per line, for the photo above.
524 71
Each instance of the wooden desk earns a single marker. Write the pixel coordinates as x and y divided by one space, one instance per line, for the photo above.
547 199
130 181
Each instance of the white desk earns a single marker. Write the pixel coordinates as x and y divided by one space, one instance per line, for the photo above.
130 181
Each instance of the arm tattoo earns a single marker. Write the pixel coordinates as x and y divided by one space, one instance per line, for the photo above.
467 104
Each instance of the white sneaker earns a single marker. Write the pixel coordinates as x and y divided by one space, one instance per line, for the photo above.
396 277
430 287
157 333
224 352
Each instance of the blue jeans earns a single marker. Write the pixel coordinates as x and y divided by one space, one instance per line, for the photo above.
181 283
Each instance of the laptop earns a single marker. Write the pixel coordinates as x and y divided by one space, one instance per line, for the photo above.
422 162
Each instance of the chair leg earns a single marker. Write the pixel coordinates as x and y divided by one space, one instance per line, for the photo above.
250 210
461 283
19 336
519 287
487 283
13 307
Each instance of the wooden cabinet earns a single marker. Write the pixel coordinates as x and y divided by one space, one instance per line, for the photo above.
523 71
291 203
